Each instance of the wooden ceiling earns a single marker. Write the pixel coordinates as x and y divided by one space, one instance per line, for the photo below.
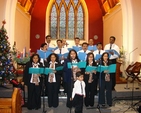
28 5
105 5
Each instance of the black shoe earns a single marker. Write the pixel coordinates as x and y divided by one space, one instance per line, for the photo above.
29 108
36 108
49 106
103 105
110 105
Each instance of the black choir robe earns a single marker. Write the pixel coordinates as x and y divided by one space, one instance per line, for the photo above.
53 88
91 88
34 91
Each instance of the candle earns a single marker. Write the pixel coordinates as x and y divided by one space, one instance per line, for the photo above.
21 54
29 52
24 52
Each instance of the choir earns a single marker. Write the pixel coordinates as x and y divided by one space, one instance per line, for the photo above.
93 62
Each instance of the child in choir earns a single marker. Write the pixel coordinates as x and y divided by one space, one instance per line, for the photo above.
78 93
33 82
70 74
105 84
91 80
53 80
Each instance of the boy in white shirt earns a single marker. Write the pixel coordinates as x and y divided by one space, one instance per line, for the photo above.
78 93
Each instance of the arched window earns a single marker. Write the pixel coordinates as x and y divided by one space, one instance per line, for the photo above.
66 19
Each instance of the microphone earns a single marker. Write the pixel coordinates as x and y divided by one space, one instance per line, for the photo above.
133 50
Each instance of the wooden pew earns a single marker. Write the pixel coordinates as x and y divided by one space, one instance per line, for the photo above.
11 105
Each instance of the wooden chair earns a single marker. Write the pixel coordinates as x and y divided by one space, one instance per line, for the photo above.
133 71
11 105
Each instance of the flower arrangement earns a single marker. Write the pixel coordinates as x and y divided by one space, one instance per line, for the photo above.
122 52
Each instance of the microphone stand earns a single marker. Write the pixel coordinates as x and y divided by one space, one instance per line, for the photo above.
132 52
71 85
126 87
43 88
98 106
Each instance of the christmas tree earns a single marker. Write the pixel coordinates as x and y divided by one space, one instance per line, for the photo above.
7 71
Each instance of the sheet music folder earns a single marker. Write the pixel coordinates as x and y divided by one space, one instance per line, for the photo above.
112 50
44 70
79 64
36 70
111 68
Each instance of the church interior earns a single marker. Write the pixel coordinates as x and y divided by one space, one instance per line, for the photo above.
28 22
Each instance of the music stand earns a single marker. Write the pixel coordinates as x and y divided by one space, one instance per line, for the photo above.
133 71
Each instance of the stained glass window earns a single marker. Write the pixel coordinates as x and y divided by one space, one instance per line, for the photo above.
80 23
75 1
62 22
53 20
65 22
71 23
67 1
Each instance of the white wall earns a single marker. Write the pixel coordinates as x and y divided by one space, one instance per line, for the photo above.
2 11
136 8
10 19
132 28
22 29
112 26
17 23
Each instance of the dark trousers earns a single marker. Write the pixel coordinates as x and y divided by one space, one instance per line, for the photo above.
105 87
78 103
53 99
69 87
113 75
90 91
34 96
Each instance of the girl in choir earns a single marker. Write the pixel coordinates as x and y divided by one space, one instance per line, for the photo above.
33 82
53 80
90 79
105 84
69 74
